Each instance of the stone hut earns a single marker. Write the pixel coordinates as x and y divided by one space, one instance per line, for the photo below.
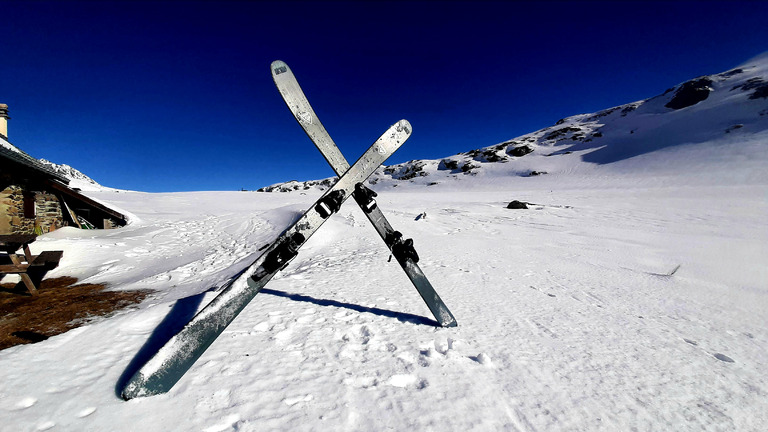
34 199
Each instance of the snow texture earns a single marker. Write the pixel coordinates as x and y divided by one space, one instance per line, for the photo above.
631 294
76 178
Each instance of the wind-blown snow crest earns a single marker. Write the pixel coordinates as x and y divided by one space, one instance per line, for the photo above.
76 178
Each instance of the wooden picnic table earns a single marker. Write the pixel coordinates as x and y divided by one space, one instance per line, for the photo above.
20 264
11 243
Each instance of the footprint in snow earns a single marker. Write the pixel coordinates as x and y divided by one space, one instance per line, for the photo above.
294 400
25 403
358 334
86 412
361 382
228 423
402 381
405 380
45 426
725 358
482 359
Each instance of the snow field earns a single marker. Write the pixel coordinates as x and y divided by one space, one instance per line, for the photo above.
567 317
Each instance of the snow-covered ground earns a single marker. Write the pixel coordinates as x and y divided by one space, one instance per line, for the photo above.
632 296
566 318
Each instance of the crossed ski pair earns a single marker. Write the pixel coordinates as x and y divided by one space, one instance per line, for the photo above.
170 363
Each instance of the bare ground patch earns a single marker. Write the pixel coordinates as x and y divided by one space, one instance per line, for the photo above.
60 306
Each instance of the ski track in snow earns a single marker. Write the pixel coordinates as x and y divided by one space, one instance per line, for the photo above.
567 320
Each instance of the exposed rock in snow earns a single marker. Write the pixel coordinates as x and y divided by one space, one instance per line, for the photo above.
691 93
517 205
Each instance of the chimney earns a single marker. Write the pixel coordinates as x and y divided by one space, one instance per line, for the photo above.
4 120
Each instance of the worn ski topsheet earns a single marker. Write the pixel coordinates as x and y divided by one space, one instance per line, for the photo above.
170 363
299 105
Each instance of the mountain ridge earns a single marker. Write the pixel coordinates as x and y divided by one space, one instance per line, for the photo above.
708 108
76 178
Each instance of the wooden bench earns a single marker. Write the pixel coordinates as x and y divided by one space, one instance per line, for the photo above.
21 270
48 260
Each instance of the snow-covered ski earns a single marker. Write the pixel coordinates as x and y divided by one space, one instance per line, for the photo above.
170 363
402 249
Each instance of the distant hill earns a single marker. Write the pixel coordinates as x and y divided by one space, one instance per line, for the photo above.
718 115
77 179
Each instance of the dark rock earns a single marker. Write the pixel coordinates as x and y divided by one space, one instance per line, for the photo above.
734 127
690 93
628 110
517 205
603 113
730 73
557 133
407 171
536 173
468 167
447 164
490 156
757 84
520 151
760 93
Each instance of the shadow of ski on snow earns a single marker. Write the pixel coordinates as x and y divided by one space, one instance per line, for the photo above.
400 316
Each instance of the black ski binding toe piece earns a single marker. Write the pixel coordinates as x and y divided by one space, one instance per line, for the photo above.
330 204
365 197
402 250
281 255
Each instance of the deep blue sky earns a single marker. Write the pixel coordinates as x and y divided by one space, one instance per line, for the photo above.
178 96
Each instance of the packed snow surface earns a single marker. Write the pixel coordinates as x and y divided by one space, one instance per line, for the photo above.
568 316
631 295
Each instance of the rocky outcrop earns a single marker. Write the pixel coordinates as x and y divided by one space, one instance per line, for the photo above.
690 93
295 185
517 205
757 84
520 151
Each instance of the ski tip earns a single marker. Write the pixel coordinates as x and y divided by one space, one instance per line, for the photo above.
404 125
278 67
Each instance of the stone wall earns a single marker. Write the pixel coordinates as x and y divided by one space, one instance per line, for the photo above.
12 208
41 215
48 215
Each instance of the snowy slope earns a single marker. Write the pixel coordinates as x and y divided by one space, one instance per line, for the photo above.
76 178
729 126
632 295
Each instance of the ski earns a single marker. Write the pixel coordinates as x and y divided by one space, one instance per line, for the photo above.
170 363
402 249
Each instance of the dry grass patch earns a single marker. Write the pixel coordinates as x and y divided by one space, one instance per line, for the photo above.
60 306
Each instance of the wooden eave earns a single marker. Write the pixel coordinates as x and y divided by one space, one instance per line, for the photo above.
82 198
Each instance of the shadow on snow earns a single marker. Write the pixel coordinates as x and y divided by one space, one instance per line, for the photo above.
185 309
